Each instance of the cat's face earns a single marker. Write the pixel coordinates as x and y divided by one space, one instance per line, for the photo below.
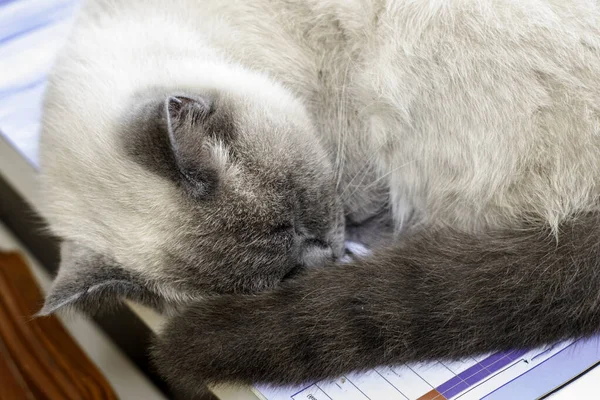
250 196
256 192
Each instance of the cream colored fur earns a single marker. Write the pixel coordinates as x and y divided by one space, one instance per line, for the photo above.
468 113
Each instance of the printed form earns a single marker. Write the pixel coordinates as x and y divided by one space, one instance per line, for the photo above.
500 376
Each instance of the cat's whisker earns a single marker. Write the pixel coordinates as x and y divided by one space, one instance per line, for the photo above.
364 170
379 179
342 127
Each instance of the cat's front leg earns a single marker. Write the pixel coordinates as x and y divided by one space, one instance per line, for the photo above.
316 326
440 294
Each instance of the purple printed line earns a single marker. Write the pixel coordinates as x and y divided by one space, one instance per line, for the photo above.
537 366
453 391
470 372
516 354
492 359
479 376
449 384
500 363
303 389
478 372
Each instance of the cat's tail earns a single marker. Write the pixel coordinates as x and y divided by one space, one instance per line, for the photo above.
444 294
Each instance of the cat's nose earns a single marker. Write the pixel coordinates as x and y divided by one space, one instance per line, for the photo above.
315 253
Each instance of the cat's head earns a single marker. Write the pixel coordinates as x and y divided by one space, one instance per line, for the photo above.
184 195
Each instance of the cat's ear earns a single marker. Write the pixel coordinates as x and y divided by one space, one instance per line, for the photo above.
186 126
90 282
169 136
184 113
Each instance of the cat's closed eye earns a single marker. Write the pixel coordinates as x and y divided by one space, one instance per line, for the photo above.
283 228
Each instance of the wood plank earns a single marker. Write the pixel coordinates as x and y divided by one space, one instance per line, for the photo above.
41 358
13 384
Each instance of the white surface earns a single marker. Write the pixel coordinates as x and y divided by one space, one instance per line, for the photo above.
586 387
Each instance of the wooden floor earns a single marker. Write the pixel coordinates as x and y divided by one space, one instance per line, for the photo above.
38 357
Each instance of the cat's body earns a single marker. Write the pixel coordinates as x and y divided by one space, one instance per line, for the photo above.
468 128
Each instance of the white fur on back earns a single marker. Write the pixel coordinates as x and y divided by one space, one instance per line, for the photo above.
471 113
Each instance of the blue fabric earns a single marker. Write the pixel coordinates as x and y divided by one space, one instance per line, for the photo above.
31 33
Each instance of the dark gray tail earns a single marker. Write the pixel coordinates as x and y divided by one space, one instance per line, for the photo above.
437 295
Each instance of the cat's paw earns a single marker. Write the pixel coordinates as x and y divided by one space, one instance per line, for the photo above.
215 341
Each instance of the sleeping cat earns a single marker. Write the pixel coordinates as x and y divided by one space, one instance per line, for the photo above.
205 157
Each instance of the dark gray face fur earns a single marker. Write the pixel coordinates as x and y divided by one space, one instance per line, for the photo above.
255 200
256 210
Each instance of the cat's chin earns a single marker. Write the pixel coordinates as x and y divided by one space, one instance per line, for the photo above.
352 251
